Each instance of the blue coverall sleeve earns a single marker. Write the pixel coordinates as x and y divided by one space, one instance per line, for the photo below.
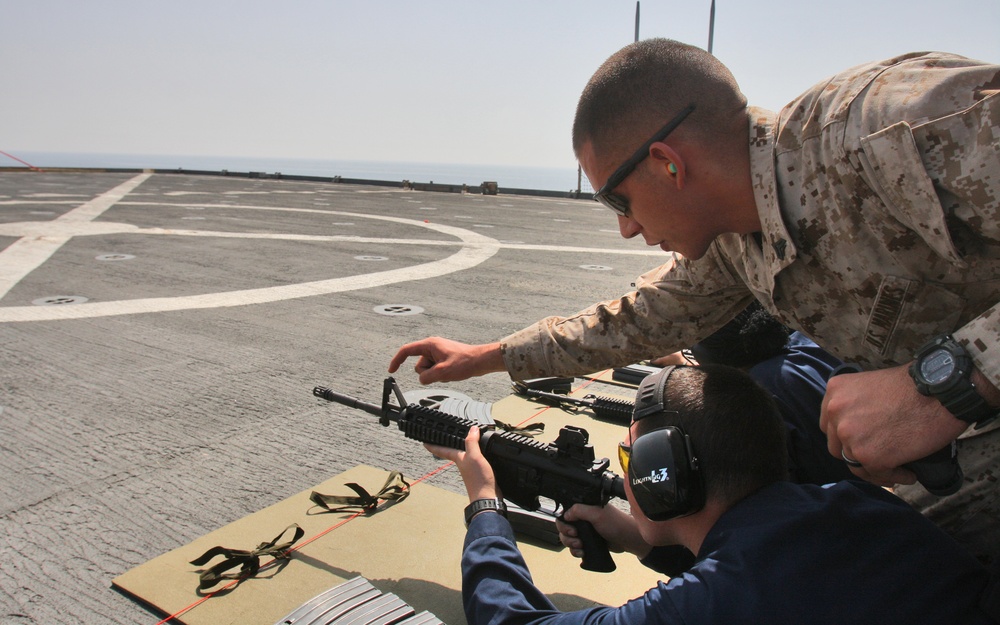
497 587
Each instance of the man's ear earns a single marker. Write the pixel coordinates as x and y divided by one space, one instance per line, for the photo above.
671 162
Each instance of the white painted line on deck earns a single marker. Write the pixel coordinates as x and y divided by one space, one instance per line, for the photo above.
39 240
462 259
29 252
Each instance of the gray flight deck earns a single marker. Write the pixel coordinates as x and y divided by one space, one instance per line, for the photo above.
160 336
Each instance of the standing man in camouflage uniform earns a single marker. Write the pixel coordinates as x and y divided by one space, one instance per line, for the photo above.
865 214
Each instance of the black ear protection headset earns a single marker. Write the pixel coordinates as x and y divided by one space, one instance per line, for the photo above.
662 468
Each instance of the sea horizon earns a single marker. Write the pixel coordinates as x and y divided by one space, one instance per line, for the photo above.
509 176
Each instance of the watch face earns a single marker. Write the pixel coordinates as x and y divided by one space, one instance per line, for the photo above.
937 366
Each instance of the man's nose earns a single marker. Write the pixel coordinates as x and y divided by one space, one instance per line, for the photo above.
628 227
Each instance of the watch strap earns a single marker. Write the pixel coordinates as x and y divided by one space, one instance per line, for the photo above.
968 405
482 505
960 396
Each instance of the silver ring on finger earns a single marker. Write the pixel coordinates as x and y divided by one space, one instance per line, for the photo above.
851 462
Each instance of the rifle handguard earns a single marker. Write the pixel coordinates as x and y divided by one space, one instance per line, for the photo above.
428 425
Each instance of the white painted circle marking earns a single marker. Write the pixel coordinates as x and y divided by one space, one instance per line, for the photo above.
473 249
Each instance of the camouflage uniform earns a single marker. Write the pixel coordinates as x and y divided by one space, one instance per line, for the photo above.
879 197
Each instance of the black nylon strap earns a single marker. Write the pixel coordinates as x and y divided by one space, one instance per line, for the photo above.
248 561
396 488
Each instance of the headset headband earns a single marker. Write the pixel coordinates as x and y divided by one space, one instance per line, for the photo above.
649 397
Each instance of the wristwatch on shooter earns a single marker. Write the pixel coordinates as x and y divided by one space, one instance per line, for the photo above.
482 505
942 369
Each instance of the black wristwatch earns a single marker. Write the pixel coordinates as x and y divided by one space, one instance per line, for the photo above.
943 369
481 505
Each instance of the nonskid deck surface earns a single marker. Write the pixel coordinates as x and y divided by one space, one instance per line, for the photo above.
161 336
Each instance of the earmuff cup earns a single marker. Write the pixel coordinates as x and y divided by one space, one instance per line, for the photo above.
665 482
663 471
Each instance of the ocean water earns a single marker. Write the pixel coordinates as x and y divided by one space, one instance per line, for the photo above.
509 176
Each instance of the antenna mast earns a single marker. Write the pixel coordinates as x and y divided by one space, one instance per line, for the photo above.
637 20
711 27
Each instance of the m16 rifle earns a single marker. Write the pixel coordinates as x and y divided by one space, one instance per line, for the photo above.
565 472
607 408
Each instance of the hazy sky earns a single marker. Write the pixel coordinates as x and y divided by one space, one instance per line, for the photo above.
439 81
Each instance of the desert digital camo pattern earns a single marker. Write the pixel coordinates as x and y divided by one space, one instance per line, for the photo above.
879 195
878 192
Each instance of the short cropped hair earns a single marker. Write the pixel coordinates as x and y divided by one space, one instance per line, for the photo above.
640 87
749 338
734 425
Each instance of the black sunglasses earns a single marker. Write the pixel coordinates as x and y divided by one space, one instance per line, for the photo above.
616 202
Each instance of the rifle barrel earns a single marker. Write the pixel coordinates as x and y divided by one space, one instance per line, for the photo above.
351 402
